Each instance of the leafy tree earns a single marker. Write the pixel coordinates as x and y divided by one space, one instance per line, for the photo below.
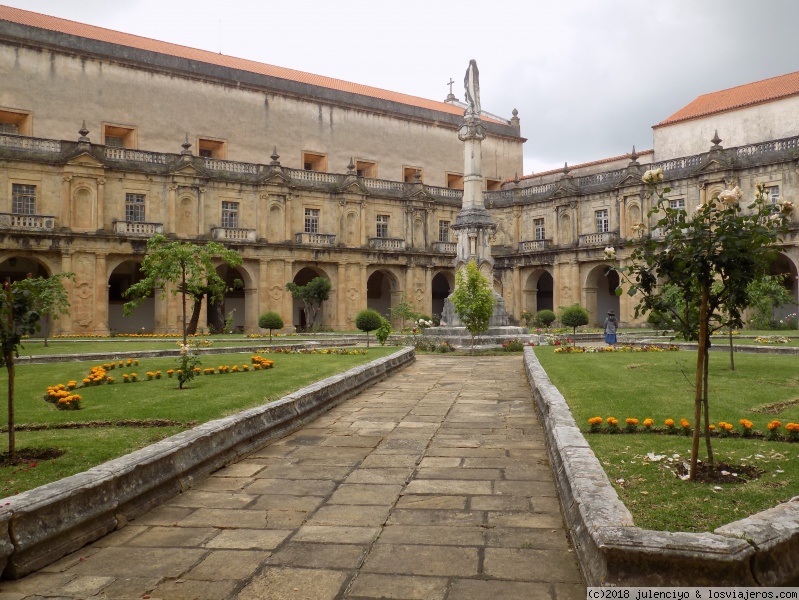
545 317
270 320
186 267
368 320
18 318
766 293
312 294
382 332
403 311
473 299
712 257
573 316
50 299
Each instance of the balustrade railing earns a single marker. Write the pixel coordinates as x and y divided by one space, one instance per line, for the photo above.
229 166
233 234
599 239
534 245
439 192
383 184
598 178
316 239
387 243
314 176
126 154
138 228
21 142
445 247
27 222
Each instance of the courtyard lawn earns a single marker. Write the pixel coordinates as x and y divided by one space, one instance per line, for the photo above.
207 397
659 385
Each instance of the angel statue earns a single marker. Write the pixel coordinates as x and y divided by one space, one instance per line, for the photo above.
471 82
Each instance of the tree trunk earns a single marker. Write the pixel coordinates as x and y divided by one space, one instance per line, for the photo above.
367 339
195 315
706 377
700 371
732 352
12 450
183 295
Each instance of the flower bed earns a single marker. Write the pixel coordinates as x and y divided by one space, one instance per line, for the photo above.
598 349
724 429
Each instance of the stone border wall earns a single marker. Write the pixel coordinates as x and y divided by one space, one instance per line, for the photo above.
42 525
761 550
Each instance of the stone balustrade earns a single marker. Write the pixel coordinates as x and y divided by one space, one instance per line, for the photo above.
387 244
27 222
128 155
599 239
21 142
315 239
231 234
445 247
534 245
138 228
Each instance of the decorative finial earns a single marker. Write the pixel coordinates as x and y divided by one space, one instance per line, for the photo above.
275 158
450 97
566 168
515 113
417 176
186 145
351 167
716 141
83 133
634 155
516 178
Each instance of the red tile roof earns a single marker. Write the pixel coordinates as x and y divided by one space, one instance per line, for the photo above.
749 94
583 165
24 17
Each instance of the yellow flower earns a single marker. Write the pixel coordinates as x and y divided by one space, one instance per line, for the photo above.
669 422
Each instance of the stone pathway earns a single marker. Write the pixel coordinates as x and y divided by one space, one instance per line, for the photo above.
432 485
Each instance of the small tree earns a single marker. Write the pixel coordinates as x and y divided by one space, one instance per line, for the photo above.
545 317
573 316
270 320
765 294
403 311
368 320
187 267
382 332
312 294
50 299
18 318
473 300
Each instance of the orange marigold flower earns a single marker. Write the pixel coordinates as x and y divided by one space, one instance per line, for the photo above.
649 422
685 423
631 421
669 422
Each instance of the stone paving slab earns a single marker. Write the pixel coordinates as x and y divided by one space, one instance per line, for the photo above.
432 485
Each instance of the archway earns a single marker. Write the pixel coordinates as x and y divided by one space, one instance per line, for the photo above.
600 293
783 266
441 287
379 288
232 306
17 268
142 319
539 291
303 277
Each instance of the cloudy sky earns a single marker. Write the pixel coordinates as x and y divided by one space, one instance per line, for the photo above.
588 77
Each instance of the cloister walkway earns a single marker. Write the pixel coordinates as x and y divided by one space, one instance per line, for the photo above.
431 485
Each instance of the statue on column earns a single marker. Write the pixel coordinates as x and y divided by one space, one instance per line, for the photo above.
471 83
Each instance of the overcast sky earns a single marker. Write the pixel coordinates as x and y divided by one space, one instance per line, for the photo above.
588 77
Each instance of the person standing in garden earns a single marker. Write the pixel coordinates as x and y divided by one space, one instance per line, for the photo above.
611 325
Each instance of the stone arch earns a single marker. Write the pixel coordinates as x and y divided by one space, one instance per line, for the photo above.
599 290
782 264
234 301
16 266
539 291
382 291
303 276
441 286
125 273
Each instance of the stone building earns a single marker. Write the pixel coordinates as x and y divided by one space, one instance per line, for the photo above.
108 138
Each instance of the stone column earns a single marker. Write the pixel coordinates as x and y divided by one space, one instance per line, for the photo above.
287 216
66 216
428 286
288 300
263 286
100 295
101 203
64 322
517 292
250 310
201 224
341 297
261 214
171 208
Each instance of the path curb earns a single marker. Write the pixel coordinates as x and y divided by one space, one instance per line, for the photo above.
40 526
761 550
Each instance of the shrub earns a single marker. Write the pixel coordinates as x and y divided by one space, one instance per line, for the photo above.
573 316
544 318
382 332
270 320
368 320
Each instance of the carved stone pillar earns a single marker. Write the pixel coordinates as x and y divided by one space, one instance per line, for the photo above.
201 225
64 322
517 292
66 217
341 297
428 286
250 310
171 209
100 295
288 300
101 204
287 214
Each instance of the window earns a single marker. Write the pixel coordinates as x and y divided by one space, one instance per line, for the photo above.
455 181
772 193
365 168
382 226
443 231
23 199
311 220
311 161
539 233
209 148
409 174
602 224
134 208
15 122
230 215
493 185
677 204
119 136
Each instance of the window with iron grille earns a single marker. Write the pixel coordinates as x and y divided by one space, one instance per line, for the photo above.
539 233
134 208
311 220
443 231
23 199
9 128
230 215
382 226
677 204
773 193
602 223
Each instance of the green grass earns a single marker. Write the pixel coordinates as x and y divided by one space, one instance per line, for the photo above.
660 386
207 397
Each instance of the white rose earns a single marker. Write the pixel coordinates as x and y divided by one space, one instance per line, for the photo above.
786 207
610 253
